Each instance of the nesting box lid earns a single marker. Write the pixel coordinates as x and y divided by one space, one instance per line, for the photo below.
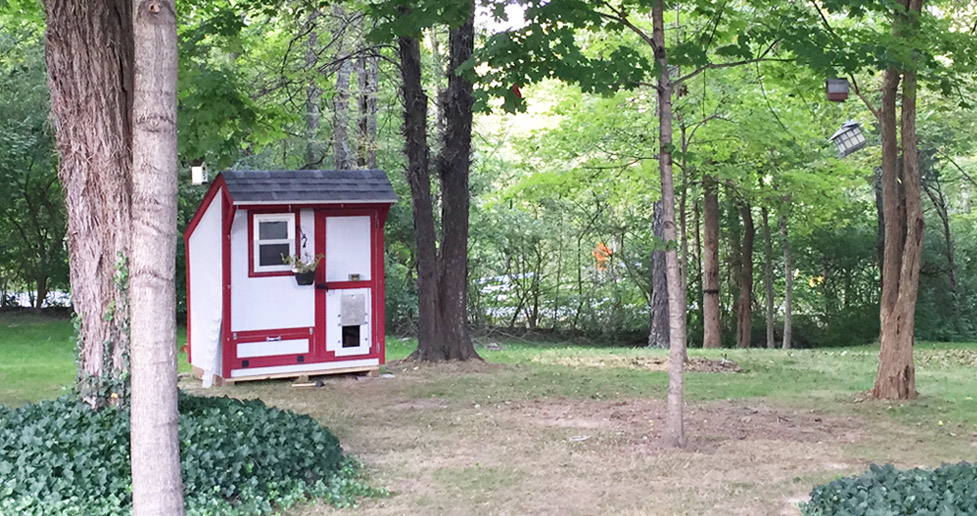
308 186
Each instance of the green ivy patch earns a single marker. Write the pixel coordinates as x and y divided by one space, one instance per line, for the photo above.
238 458
948 490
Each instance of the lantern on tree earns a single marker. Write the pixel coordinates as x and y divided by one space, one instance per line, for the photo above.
849 138
836 89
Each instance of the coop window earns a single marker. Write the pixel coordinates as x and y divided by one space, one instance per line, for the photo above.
273 237
351 336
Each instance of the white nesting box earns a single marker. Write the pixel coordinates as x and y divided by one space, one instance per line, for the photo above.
249 314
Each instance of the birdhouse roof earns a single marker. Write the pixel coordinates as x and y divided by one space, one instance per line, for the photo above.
847 126
308 186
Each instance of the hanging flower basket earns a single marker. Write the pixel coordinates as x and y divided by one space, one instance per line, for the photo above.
303 267
305 278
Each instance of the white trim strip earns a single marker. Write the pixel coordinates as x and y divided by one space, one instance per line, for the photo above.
272 348
298 368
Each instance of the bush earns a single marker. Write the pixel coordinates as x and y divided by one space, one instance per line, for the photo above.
238 458
886 491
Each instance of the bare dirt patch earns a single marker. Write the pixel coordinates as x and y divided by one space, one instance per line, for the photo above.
637 423
641 363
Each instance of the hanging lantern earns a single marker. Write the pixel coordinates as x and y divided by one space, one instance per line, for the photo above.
849 138
837 89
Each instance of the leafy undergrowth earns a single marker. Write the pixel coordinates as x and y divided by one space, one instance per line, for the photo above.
238 458
886 491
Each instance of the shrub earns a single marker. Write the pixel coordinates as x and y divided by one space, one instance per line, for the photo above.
238 458
886 491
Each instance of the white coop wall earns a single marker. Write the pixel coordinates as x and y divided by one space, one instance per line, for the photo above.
206 280
272 302
347 248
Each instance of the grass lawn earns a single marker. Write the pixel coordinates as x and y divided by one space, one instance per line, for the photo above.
556 429
37 358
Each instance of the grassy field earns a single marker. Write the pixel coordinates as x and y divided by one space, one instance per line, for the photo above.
37 358
557 429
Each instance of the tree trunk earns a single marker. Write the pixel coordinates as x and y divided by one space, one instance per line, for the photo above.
658 334
674 433
418 177
313 95
368 77
443 332
157 488
454 166
788 285
744 312
903 226
711 332
880 224
768 277
89 58
343 157
935 192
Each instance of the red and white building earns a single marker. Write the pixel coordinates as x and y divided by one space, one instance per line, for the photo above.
247 316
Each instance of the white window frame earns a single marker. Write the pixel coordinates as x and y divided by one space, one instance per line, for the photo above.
258 242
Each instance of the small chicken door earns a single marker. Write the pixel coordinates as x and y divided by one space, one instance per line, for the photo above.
348 322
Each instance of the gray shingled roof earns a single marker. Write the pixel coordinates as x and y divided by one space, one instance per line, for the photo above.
301 186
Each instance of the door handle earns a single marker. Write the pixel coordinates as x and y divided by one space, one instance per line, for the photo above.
322 286
273 339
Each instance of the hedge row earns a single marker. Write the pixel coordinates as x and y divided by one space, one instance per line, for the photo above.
238 458
886 491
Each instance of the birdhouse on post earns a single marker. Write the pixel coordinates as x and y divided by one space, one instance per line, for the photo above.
836 89
849 138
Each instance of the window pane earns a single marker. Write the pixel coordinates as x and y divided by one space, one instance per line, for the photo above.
273 230
271 254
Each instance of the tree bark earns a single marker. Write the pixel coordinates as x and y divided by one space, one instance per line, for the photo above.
658 333
674 432
788 285
768 277
418 177
443 332
342 155
896 377
313 95
744 311
454 166
368 77
157 488
89 58
711 332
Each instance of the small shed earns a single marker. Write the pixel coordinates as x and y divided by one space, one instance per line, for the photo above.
247 316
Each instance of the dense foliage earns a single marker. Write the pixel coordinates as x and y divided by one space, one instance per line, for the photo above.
887 491
574 175
238 457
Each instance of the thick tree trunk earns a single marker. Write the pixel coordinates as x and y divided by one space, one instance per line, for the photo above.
896 377
768 276
744 306
157 488
368 77
788 285
674 432
443 332
342 155
454 166
418 177
313 95
89 58
659 333
711 332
